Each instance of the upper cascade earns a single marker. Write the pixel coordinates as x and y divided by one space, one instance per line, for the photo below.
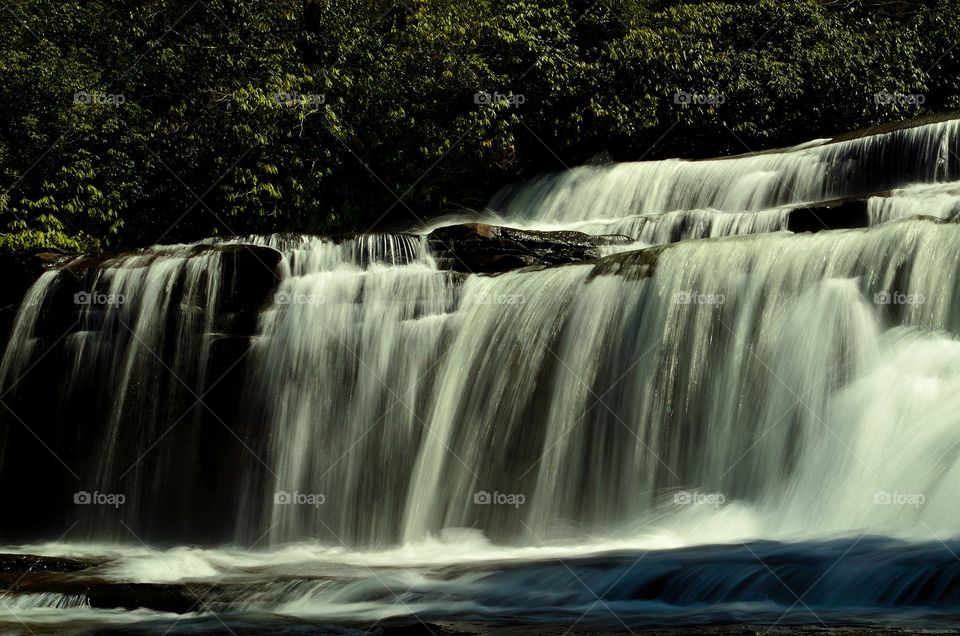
699 196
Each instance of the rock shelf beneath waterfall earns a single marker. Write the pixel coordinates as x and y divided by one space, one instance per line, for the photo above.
838 214
194 602
480 248
22 574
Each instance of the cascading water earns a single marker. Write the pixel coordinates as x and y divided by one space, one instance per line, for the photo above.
939 200
716 372
139 345
373 319
666 201
405 440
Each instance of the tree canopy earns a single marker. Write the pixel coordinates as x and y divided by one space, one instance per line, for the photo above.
135 123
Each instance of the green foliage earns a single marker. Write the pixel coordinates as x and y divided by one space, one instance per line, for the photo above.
337 115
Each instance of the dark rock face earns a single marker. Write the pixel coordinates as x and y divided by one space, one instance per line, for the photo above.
29 574
250 279
488 249
24 563
841 214
19 272
51 443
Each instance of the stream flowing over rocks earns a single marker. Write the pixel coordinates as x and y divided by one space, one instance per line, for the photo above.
620 398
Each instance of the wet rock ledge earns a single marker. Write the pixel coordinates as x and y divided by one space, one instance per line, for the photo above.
479 248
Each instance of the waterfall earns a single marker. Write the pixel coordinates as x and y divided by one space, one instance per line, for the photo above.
374 399
594 397
666 201
347 354
128 340
939 200
716 417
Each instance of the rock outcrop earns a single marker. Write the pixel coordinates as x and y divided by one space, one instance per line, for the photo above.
244 280
840 214
479 248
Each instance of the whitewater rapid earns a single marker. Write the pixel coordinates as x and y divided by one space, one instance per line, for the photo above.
715 413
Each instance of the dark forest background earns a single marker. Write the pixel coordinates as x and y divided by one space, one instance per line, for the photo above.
135 123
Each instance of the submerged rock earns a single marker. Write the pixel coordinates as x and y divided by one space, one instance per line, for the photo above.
633 265
23 563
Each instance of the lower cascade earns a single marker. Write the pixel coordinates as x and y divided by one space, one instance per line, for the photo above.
406 400
679 420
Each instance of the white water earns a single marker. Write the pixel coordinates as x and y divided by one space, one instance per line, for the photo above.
742 184
597 399
666 201
272 592
767 387
940 200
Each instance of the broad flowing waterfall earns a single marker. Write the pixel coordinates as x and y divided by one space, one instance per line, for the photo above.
599 397
817 171
714 378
